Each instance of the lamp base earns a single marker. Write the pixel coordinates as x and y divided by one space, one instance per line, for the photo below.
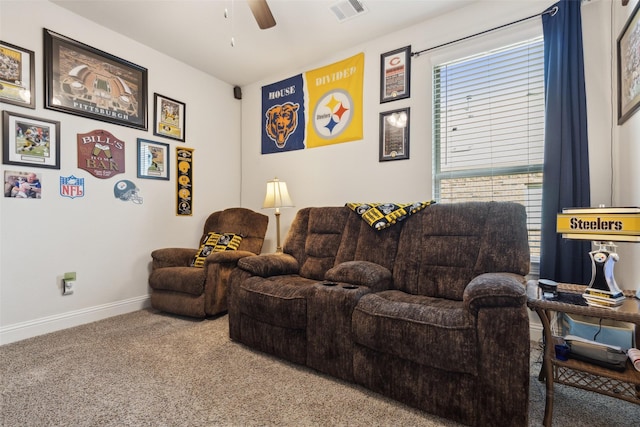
603 290
278 246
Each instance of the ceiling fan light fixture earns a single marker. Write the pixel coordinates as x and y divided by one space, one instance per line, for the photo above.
262 13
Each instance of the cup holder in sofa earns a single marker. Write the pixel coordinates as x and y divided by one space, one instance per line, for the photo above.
329 284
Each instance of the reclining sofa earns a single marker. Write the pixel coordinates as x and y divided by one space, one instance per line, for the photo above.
430 311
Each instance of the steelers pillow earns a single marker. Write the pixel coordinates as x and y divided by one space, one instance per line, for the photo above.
216 242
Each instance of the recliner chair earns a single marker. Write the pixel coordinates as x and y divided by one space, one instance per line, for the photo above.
179 287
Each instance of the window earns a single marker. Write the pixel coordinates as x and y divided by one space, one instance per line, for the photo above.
489 130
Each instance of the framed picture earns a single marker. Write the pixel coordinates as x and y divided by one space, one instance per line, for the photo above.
168 117
30 141
87 82
395 74
394 135
22 185
153 159
628 64
17 76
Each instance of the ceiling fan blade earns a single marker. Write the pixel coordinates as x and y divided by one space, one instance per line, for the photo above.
262 13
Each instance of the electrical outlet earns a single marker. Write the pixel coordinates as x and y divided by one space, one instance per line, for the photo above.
68 283
67 286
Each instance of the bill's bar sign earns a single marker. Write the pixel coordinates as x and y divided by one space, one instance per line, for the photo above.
100 153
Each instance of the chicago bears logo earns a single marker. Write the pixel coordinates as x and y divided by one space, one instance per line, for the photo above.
282 121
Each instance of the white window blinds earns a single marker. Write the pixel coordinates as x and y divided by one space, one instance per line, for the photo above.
489 129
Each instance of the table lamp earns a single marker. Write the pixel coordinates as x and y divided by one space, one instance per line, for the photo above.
277 197
604 226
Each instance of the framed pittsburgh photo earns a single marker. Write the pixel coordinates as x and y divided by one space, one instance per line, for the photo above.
88 82
394 135
153 159
17 76
30 141
168 117
628 65
395 74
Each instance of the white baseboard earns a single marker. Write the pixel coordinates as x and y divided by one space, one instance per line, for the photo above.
44 325
535 331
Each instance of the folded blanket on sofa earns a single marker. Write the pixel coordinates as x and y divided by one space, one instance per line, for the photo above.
382 215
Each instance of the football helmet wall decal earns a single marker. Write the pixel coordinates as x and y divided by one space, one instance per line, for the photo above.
127 191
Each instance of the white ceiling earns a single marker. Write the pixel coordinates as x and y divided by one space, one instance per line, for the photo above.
197 33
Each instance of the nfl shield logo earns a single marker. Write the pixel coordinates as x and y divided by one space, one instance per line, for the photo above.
72 187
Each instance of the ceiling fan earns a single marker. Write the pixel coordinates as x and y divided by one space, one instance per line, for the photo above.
262 13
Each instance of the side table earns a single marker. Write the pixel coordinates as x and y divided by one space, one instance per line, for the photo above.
622 385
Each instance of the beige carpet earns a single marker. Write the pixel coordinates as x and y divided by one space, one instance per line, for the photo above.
150 369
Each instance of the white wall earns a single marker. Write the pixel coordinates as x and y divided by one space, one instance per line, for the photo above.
106 241
626 158
347 172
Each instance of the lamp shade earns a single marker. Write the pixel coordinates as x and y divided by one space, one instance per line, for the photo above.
613 224
277 195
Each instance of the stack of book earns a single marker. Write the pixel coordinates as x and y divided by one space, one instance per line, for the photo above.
600 298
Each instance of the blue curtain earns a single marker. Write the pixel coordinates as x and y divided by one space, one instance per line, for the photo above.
566 156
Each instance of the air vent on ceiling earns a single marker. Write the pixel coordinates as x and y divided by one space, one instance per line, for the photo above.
347 9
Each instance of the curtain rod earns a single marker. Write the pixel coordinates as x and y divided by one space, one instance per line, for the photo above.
551 11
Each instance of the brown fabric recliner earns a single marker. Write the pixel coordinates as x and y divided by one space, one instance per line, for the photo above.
430 311
178 288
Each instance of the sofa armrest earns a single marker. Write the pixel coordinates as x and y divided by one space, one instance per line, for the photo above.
270 265
173 257
495 290
226 257
363 273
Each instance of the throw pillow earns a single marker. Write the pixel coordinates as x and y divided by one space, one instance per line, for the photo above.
216 242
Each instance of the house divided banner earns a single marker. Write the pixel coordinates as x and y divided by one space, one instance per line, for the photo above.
184 190
333 97
283 116
335 102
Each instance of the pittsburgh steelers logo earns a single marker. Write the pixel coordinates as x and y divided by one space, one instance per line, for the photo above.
599 257
332 114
